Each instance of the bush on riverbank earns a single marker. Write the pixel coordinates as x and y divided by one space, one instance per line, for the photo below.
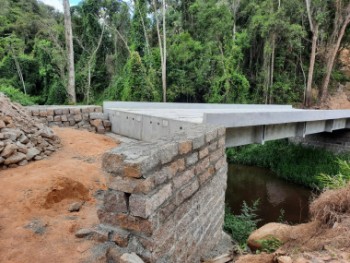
291 162
240 226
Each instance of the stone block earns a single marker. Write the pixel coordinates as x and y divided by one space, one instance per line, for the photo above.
126 222
49 118
74 111
192 159
203 152
215 156
98 115
43 113
183 178
57 118
213 146
203 178
211 135
168 152
120 237
202 166
187 192
115 201
58 111
78 117
185 147
64 118
107 123
221 142
144 205
50 112
198 142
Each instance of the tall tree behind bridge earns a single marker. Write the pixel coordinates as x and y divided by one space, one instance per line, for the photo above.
70 52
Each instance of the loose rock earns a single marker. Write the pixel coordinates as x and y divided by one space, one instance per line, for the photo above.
22 137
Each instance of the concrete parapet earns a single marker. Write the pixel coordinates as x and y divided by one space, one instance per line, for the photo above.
82 117
167 196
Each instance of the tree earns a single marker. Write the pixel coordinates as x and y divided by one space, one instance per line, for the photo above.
314 26
162 44
70 53
341 22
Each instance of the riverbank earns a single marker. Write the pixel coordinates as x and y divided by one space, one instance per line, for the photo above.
325 238
291 162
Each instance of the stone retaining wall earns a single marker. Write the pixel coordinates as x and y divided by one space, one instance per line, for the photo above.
165 199
81 117
336 141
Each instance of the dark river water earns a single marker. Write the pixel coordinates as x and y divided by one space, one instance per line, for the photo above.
247 183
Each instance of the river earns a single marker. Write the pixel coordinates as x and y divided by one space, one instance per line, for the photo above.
247 183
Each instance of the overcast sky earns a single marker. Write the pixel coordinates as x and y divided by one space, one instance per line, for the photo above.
58 3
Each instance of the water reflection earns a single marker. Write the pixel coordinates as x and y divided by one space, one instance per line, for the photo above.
250 183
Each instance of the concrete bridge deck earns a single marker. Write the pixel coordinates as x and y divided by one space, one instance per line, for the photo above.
245 124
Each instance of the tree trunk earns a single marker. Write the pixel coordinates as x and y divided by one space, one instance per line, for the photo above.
272 68
19 71
164 66
330 63
70 52
162 46
308 94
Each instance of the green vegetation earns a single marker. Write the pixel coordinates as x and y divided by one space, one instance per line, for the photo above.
227 51
16 95
240 226
269 245
291 162
337 181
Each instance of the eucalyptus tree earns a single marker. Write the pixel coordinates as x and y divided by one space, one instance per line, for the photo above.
341 20
70 52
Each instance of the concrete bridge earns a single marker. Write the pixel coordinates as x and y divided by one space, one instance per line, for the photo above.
165 197
245 124
166 189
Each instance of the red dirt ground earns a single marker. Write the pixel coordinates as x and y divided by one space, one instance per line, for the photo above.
36 197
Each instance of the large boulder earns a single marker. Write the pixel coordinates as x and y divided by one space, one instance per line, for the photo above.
282 232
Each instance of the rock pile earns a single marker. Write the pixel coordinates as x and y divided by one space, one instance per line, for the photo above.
22 137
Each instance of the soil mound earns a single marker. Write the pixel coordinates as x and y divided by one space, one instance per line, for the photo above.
22 137
66 188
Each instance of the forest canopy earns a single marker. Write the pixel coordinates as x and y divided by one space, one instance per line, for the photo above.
217 51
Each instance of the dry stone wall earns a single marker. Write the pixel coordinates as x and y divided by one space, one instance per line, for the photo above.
82 117
165 199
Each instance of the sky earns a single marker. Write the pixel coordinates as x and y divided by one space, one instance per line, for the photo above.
58 3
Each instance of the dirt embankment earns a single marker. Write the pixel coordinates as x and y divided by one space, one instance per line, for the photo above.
325 239
35 224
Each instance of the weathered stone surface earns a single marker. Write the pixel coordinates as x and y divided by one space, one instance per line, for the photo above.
192 159
32 152
15 158
115 201
130 258
185 147
126 222
8 150
143 205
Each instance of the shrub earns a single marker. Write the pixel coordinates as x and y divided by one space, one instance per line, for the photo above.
240 226
16 95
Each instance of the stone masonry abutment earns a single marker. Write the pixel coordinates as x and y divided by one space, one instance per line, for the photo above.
165 199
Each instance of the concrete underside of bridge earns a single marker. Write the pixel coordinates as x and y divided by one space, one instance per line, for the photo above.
165 197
